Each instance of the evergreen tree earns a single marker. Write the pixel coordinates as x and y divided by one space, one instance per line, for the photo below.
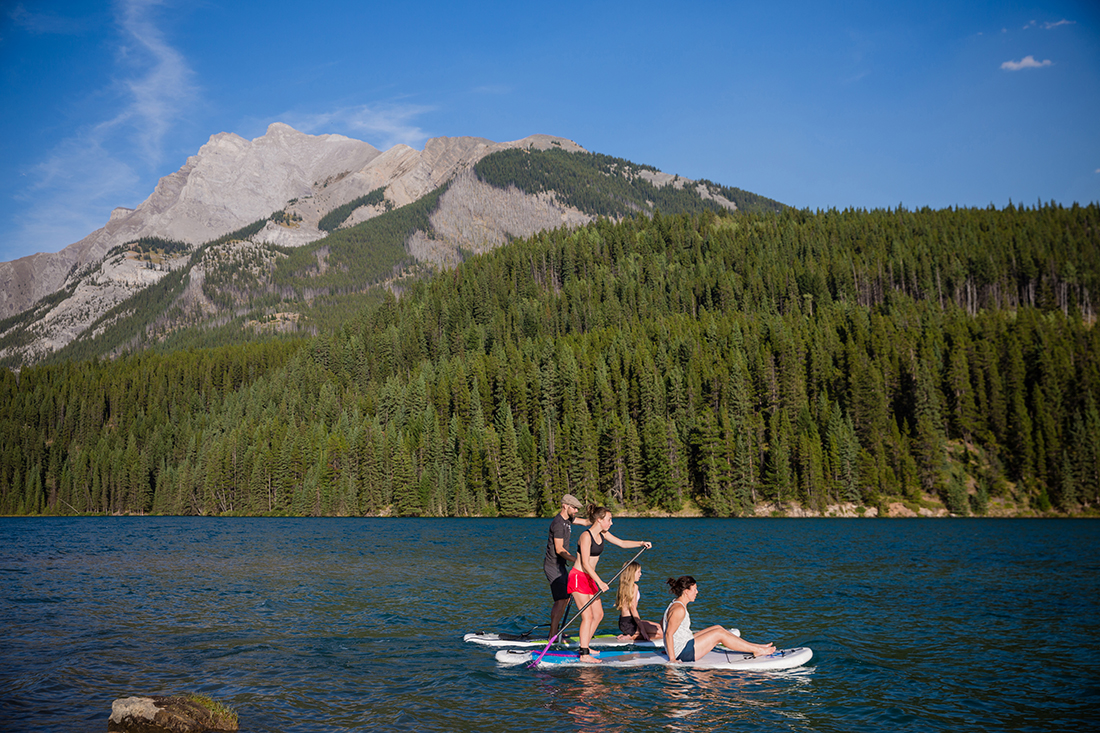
964 410
613 460
780 484
406 499
710 464
513 487
660 492
1020 434
1088 453
929 440
633 495
1067 488
812 487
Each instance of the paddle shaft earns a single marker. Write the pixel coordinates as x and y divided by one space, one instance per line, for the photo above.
539 626
590 602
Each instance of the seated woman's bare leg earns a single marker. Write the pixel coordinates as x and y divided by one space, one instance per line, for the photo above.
654 630
712 636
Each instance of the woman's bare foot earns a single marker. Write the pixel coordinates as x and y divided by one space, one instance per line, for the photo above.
763 650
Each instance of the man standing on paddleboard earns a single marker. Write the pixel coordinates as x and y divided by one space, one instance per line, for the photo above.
558 558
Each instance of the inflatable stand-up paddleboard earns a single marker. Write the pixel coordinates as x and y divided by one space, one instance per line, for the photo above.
714 659
526 640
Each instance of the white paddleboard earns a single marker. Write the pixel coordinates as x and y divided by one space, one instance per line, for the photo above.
515 640
714 659
600 640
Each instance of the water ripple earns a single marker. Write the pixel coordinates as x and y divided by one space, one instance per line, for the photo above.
349 625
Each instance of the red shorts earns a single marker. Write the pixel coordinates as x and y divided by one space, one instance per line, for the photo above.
581 583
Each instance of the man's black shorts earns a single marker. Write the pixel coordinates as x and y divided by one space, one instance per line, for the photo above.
557 587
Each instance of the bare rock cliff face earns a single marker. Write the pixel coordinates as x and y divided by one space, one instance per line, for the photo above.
409 174
230 183
233 182
476 217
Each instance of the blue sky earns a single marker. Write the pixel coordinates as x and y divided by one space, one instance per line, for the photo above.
816 104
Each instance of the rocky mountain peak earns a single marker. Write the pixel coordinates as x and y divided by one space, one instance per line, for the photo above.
280 186
232 182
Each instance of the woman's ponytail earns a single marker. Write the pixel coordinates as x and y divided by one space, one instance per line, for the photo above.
679 585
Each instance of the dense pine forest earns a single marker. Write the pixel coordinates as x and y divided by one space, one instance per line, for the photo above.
653 364
606 186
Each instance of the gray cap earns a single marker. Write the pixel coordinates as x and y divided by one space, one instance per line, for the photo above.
570 500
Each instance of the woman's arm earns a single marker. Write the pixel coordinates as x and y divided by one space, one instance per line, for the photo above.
626 543
633 611
675 616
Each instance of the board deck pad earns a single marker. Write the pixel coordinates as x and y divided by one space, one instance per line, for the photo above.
600 640
715 659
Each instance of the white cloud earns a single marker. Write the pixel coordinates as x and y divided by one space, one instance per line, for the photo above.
161 88
99 166
72 195
1027 62
154 83
1048 25
382 125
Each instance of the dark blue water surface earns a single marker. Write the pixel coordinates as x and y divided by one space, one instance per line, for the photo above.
357 624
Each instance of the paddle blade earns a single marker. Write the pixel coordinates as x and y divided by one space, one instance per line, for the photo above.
535 662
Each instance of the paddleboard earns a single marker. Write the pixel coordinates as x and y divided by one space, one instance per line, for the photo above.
714 659
516 640
600 640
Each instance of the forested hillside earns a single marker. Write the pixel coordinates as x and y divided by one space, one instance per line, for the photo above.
722 360
242 284
243 287
603 185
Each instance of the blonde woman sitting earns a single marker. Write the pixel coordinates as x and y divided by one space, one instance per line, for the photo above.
631 624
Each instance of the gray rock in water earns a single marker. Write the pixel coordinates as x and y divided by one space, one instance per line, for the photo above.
163 714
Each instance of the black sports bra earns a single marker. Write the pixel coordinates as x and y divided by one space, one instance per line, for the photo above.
594 550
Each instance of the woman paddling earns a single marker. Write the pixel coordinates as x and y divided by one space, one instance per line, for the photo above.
584 583
631 624
682 645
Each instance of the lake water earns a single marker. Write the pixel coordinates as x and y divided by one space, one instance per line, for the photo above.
356 624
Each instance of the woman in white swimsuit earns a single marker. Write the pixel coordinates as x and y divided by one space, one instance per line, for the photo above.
683 646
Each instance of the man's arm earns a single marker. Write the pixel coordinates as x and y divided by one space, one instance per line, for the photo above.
562 550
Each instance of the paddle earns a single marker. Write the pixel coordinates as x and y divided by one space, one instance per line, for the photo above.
530 631
591 600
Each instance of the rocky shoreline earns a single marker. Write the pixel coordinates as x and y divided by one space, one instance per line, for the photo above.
893 508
